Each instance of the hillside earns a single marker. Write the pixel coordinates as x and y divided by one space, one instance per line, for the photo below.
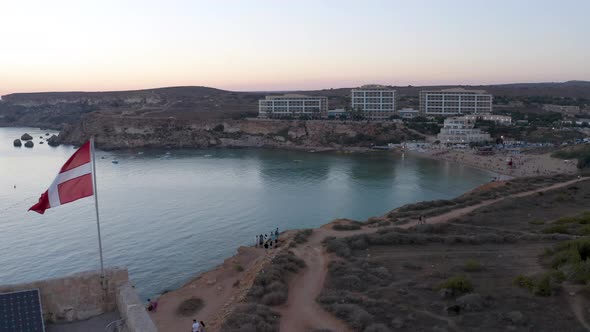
54 109
113 132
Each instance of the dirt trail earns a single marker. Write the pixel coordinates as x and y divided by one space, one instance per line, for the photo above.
302 312
578 303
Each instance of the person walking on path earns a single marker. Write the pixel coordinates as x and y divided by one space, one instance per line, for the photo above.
202 327
196 326
260 240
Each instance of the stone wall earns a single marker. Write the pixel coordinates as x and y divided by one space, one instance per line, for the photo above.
78 296
132 310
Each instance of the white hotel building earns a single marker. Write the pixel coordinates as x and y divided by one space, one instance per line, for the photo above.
461 130
293 105
455 101
376 102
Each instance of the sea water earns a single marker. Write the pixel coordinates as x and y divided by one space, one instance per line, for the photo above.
169 214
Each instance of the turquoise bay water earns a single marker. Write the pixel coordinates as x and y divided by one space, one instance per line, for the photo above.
168 215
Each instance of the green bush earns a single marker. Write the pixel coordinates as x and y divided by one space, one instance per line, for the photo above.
580 272
524 282
546 284
561 229
537 222
472 266
458 285
580 153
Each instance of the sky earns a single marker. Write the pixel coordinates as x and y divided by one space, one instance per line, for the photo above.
256 45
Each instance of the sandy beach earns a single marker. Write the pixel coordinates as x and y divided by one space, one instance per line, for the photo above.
523 164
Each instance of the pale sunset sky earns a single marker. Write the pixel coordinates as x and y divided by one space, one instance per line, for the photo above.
62 45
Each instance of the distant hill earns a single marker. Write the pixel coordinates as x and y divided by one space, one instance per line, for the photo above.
53 109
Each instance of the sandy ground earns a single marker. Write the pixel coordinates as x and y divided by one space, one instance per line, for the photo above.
225 286
523 164
219 288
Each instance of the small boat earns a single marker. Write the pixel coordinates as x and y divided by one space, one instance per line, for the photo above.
297 160
168 153
140 152
115 161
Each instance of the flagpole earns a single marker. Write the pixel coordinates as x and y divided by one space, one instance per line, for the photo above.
96 207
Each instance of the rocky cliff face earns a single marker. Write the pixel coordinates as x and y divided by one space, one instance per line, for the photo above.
112 132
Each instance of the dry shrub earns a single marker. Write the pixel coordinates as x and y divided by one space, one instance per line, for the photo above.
346 227
302 236
189 307
252 317
354 315
274 298
377 328
270 286
337 246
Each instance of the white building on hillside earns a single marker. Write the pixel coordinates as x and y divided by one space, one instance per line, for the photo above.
293 105
408 113
376 102
499 119
460 130
455 101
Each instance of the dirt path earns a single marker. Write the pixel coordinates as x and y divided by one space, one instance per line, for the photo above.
578 303
302 312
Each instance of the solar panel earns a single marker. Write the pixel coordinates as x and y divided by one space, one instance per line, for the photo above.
21 312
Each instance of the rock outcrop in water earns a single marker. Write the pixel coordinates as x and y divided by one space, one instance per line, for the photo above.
17 143
113 132
26 137
53 140
29 144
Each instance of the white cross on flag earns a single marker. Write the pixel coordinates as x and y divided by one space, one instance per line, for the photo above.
74 181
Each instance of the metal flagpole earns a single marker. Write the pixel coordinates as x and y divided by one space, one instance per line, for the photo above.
96 206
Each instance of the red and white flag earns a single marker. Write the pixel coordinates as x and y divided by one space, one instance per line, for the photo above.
74 181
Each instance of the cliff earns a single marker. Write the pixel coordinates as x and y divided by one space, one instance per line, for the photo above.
112 132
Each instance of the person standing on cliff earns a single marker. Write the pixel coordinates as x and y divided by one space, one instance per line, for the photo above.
256 243
277 235
260 240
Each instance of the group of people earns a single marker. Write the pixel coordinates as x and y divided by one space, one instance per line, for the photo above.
152 305
265 241
198 326
421 220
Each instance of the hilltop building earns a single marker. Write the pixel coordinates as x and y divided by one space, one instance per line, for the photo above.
376 102
460 130
455 101
293 105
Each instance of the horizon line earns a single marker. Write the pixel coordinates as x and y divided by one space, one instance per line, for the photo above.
287 90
